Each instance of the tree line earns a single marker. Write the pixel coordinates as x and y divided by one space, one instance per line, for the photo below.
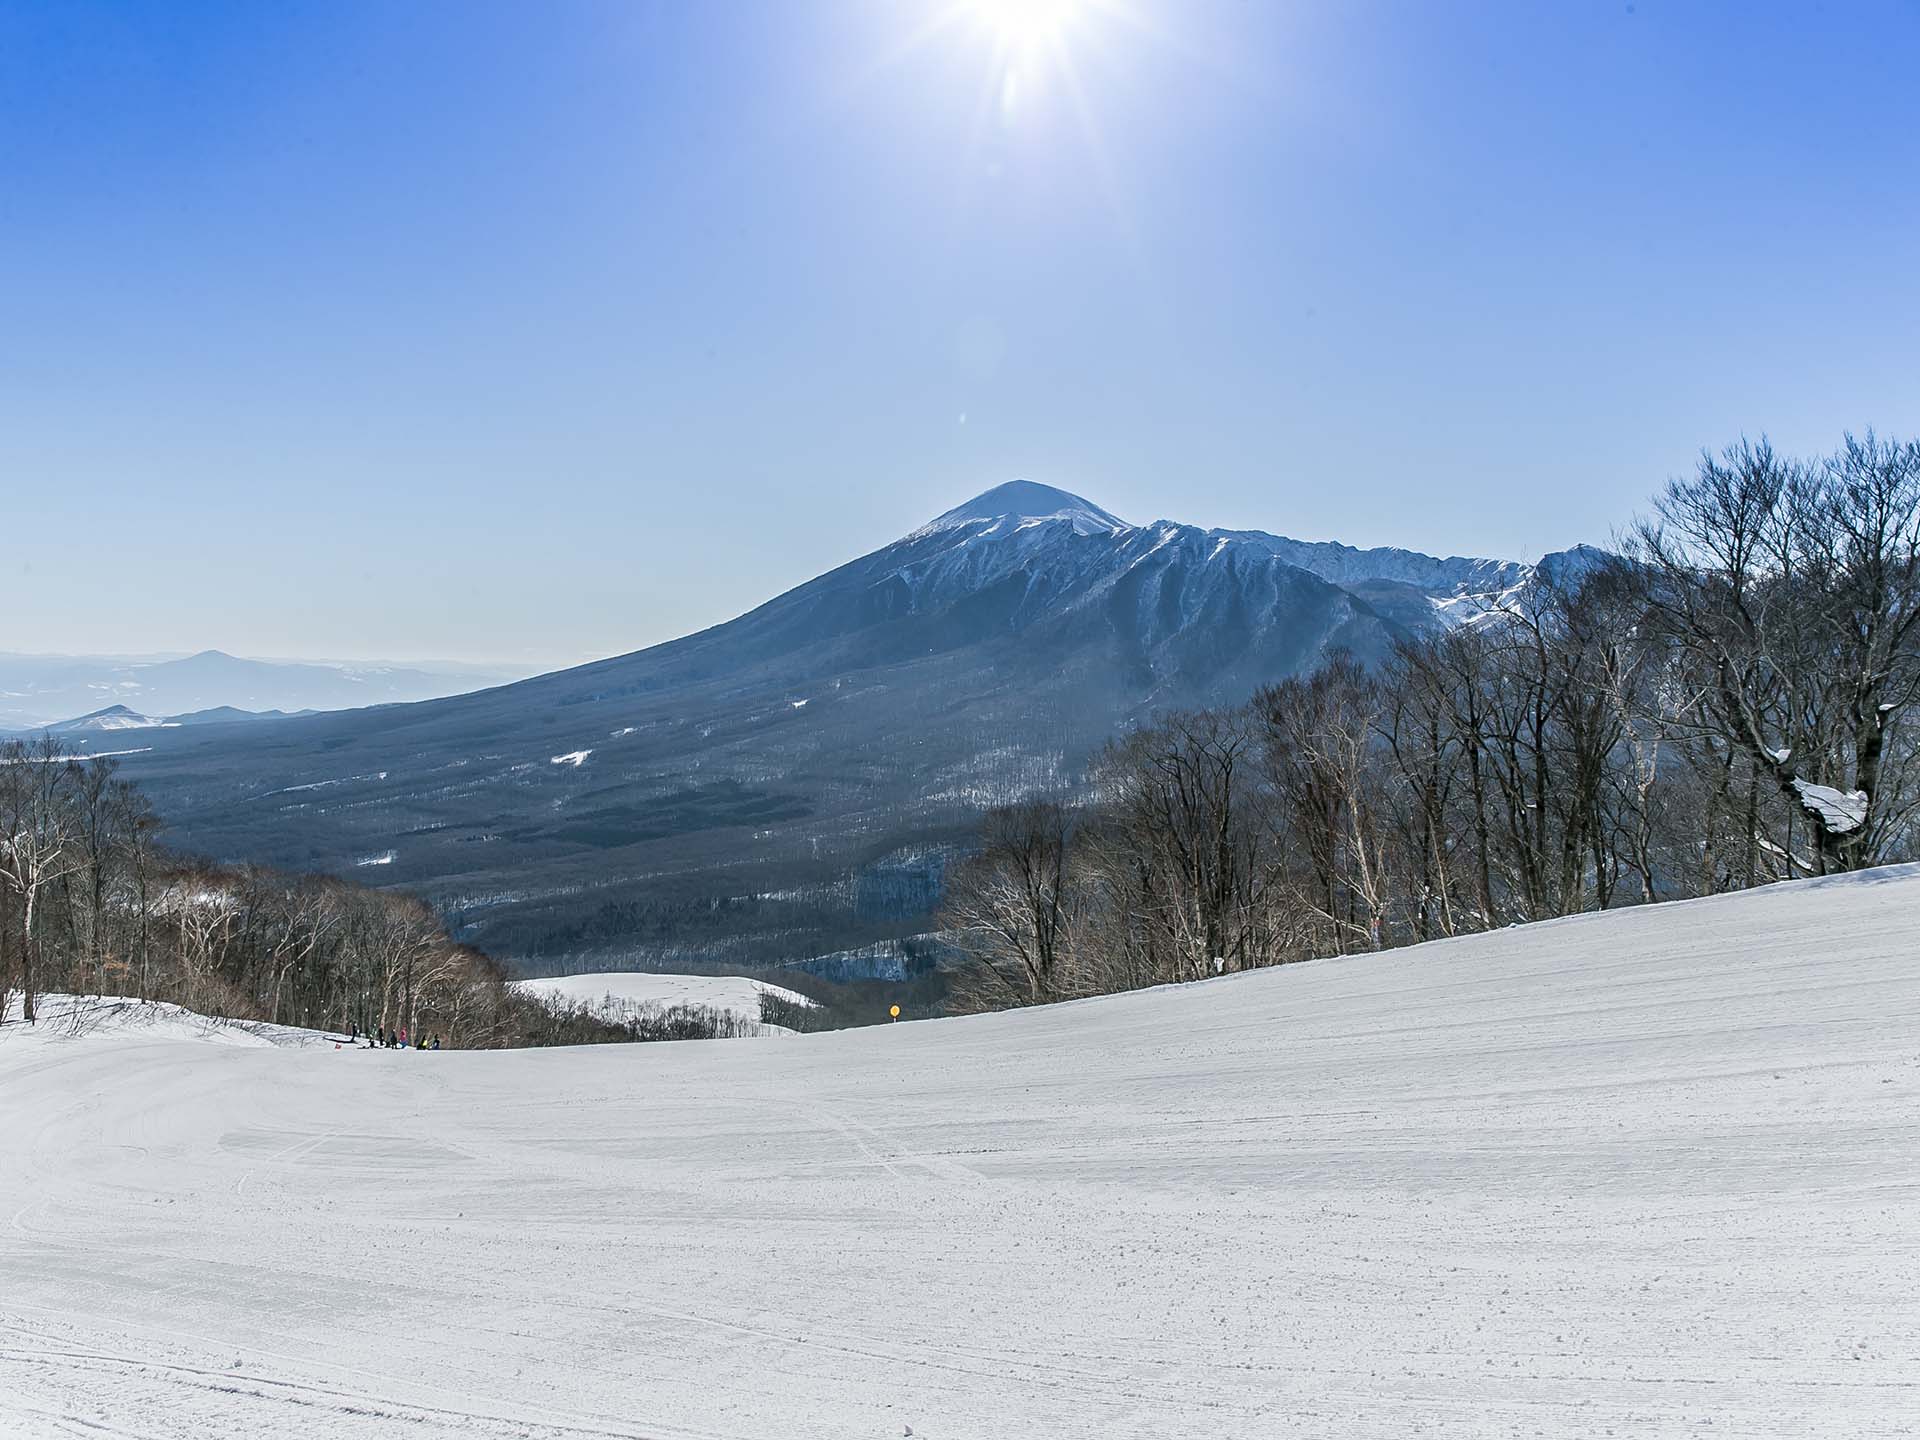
91 902
1721 704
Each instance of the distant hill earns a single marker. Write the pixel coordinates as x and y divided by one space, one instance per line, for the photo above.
786 783
42 690
118 718
112 718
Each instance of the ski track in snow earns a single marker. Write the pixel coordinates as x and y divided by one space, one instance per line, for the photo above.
1647 1174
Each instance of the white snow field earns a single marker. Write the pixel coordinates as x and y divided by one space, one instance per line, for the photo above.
618 991
1652 1173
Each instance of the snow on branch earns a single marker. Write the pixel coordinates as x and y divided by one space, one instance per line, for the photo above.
1840 812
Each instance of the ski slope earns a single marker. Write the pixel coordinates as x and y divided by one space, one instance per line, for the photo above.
1653 1173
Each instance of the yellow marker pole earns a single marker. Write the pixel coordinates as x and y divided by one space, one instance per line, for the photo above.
893 1011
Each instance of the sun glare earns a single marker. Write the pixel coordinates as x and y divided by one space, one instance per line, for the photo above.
1026 25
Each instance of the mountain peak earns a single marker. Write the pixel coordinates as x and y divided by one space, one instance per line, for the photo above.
114 717
1027 500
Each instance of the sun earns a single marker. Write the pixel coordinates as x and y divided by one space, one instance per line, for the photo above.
1025 26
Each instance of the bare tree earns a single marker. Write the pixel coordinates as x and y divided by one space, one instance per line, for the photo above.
1795 588
38 839
1323 763
1185 794
1011 906
138 862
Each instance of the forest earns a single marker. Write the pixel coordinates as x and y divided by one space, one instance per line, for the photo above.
91 902
1723 703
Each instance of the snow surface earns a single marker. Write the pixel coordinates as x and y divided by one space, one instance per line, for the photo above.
615 992
1647 1174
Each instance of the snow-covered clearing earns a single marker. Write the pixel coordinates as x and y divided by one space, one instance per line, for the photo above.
1654 1173
617 992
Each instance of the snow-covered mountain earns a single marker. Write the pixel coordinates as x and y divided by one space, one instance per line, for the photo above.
1344 565
784 783
107 721
1030 503
1026 514
1180 605
116 718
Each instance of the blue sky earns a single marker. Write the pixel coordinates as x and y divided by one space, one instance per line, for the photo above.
535 332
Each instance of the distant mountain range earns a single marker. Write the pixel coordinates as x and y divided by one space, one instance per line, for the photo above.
790 782
117 718
42 690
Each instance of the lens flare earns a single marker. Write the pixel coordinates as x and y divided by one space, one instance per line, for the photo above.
1024 26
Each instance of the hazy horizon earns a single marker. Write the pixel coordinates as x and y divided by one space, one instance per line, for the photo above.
524 336
512 667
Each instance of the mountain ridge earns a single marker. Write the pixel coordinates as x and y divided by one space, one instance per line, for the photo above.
41 690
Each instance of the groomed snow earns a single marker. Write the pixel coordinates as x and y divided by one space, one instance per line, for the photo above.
1647 1174
616 991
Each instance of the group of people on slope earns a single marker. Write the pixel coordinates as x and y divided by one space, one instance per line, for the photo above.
385 1039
